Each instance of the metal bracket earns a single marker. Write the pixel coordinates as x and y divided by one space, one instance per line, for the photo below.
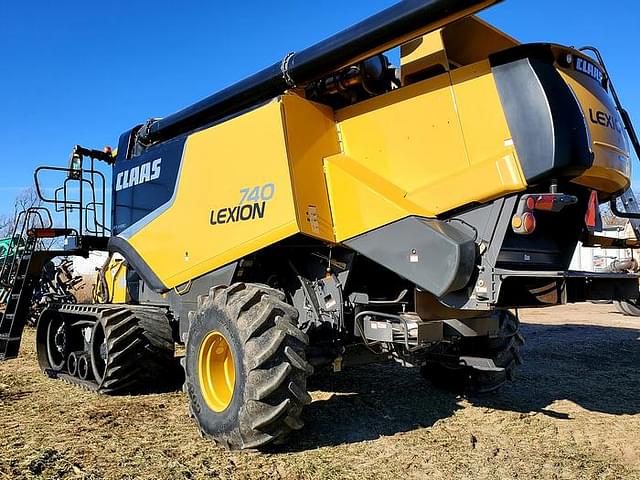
631 210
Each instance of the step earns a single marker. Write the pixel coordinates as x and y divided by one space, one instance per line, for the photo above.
7 338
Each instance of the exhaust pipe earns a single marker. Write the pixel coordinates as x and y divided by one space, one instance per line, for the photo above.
394 26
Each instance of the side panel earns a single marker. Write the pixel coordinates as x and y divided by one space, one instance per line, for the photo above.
410 136
611 169
233 197
311 136
144 186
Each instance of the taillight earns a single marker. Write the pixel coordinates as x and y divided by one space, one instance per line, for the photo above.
523 224
549 202
524 221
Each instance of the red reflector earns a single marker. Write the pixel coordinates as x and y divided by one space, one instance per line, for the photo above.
42 232
590 218
531 203
545 202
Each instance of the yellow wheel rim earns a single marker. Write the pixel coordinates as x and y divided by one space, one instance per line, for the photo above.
216 371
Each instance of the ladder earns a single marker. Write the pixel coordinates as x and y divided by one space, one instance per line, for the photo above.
21 282
20 274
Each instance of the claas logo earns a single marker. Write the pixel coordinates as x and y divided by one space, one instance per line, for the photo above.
144 173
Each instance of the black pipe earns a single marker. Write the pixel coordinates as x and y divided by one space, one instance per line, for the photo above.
391 27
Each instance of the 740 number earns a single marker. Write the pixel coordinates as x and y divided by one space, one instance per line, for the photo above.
261 193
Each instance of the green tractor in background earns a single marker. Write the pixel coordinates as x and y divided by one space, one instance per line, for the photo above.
9 247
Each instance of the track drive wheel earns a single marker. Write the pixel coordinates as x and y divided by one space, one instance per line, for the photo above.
246 370
503 349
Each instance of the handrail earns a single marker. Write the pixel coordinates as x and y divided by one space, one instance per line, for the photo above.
83 179
25 220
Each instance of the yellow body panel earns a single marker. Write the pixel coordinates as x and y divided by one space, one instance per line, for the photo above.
493 166
360 198
311 136
111 284
411 136
418 150
422 151
611 170
218 163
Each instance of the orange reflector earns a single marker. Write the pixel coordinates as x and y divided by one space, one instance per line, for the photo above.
516 222
528 222
590 218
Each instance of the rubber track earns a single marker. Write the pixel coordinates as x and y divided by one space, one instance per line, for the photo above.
140 348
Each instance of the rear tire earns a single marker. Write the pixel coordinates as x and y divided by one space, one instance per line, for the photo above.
503 349
269 386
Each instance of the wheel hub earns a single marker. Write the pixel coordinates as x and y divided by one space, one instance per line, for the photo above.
60 339
216 371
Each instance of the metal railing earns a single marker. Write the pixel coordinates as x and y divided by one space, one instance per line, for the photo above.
83 213
21 241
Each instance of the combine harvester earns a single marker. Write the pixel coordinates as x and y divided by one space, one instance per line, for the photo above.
332 210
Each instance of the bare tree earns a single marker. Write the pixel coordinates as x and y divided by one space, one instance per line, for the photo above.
26 199
6 225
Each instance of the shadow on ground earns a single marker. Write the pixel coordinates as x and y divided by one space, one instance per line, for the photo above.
596 367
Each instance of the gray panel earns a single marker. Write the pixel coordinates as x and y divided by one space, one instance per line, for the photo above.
181 305
548 127
529 115
437 256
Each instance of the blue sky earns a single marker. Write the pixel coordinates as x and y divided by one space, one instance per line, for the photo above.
83 72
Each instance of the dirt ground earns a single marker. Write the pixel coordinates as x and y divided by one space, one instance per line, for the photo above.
573 412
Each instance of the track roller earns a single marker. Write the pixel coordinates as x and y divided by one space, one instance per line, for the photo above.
72 363
85 371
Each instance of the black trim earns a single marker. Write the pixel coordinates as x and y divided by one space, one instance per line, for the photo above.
121 246
547 125
130 204
540 51
437 256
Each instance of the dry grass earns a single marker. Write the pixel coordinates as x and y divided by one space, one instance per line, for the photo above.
573 413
